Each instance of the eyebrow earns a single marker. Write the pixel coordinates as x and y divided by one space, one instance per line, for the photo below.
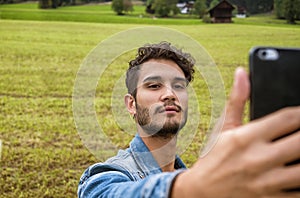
158 78
152 78
181 79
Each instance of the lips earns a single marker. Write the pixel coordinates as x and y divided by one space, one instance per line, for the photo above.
169 108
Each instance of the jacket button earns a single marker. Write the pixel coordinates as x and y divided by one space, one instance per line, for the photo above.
141 175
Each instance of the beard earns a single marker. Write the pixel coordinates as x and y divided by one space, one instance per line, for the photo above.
156 127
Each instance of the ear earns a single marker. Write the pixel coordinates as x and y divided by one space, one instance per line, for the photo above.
130 104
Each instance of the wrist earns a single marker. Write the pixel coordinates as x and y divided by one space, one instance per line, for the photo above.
179 186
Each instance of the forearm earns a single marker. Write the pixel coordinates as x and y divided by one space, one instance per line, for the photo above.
179 187
114 184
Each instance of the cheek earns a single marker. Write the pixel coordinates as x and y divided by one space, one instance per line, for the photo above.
183 99
146 99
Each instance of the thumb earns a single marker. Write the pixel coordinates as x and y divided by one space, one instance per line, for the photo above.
233 114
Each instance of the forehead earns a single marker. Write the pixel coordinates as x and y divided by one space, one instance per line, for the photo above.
164 68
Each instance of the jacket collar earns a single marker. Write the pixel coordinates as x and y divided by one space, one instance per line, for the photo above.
145 159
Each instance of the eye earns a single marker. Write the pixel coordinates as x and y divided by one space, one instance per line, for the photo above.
154 86
179 86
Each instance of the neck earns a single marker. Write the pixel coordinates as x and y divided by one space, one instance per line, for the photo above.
163 150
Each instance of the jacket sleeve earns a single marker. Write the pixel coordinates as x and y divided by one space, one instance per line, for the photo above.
115 183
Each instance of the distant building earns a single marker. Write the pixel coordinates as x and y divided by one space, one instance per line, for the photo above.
185 8
241 12
222 12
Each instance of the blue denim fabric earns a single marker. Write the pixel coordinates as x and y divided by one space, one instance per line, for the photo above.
131 173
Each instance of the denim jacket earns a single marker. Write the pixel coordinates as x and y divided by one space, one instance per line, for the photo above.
131 173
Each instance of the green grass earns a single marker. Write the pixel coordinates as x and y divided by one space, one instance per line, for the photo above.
42 153
102 13
86 13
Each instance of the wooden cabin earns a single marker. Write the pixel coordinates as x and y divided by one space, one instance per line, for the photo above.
222 12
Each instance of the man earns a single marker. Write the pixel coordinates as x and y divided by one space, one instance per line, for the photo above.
243 163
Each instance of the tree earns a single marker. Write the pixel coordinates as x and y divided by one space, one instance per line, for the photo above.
119 6
149 7
46 4
287 9
200 7
128 7
255 6
164 7
279 9
292 10
214 3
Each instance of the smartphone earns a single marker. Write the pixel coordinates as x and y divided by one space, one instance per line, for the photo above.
274 78
275 82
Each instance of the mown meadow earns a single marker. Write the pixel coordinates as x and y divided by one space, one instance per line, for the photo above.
41 51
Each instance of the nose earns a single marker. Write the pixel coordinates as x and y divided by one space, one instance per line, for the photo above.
168 94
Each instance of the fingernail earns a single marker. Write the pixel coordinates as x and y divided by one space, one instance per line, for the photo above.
236 76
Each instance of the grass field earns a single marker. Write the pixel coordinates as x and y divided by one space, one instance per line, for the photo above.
102 13
87 13
42 154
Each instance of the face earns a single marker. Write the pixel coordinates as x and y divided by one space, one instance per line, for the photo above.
162 99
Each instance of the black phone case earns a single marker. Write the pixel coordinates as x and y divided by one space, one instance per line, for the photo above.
275 82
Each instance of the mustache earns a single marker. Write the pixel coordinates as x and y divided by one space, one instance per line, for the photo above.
172 104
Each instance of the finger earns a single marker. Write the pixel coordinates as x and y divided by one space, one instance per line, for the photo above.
285 195
276 181
275 125
286 149
234 109
287 178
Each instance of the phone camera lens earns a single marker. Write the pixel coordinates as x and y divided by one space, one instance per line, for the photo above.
264 53
268 54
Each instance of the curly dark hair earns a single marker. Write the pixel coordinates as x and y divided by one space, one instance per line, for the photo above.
162 50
